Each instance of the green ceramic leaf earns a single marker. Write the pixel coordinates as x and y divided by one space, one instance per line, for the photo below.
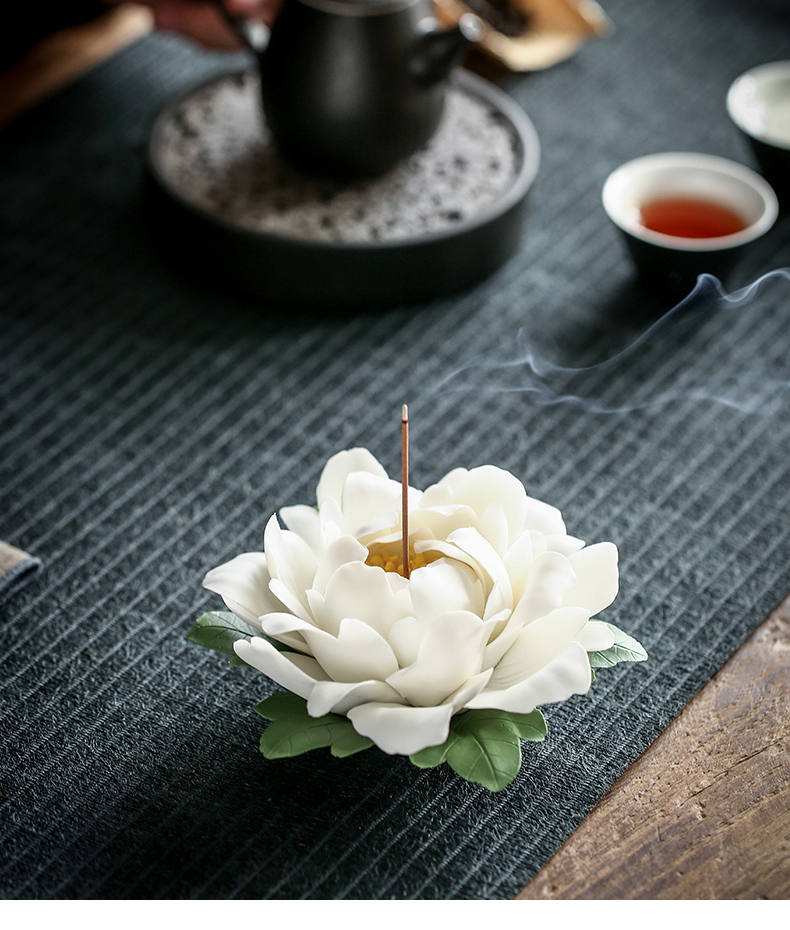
281 705
346 741
625 649
219 630
531 727
483 745
486 750
433 755
293 731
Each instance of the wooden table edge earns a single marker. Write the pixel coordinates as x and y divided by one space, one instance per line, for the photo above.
66 55
704 813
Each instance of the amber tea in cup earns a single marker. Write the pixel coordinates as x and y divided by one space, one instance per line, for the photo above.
690 218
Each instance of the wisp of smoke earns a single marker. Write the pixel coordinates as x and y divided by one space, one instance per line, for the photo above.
732 349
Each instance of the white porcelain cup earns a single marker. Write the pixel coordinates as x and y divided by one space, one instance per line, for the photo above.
674 262
759 104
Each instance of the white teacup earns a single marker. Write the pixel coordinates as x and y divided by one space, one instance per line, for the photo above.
759 104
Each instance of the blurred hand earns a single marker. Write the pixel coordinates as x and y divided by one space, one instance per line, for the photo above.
201 21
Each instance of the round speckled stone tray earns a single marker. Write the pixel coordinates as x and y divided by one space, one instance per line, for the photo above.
226 205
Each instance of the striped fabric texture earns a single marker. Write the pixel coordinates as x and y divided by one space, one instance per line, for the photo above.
150 424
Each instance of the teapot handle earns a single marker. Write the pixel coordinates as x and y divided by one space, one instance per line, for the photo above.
253 33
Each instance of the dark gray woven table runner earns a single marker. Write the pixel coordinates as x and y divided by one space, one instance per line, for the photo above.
149 426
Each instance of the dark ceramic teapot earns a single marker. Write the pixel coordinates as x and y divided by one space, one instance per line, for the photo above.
351 87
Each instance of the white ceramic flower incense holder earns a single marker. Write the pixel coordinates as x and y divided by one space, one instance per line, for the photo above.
450 664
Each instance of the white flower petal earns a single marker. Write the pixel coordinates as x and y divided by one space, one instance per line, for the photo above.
569 673
332 521
494 527
243 583
596 571
340 466
339 552
398 584
441 521
357 653
316 604
517 561
564 544
480 488
442 493
451 652
544 518
366 496
285 628
336 697
416 538
277 625
365 593
498 646
537 644
289 601
445 511
292 670
500 599
595 636
403 730
443 586
469 690
550 579
471 542
291 561
539 544
305 522
404 638
388 521
455 554
495 485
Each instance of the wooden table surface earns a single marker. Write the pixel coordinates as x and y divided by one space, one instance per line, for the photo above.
705 812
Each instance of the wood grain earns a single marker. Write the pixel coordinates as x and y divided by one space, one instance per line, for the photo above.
67 54
705 812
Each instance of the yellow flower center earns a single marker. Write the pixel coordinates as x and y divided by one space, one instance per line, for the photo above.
391 561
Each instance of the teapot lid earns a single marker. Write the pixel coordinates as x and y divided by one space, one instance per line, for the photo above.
359 7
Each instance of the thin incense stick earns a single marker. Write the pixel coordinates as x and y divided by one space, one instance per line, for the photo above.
404 442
